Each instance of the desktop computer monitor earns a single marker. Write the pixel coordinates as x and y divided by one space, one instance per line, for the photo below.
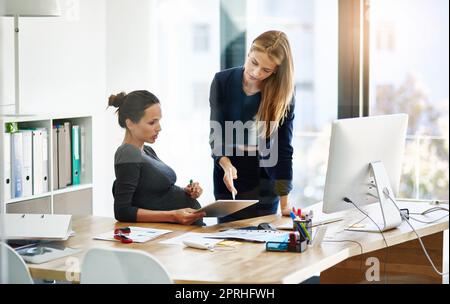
364 165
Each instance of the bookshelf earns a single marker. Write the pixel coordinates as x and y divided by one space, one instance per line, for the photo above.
71 199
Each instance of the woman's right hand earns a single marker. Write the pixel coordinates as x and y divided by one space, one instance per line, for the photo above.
230 174
186 216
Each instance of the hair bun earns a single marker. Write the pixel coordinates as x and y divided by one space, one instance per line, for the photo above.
117 100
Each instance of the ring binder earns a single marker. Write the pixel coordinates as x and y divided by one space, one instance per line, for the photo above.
26 226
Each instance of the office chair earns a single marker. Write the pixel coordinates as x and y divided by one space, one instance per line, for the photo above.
16 270
122 266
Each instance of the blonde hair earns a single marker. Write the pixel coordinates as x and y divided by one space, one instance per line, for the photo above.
278 89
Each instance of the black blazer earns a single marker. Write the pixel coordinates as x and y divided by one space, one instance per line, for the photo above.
225 103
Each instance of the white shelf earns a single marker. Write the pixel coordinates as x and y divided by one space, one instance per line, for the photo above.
72 188
84 120
27 198
32 118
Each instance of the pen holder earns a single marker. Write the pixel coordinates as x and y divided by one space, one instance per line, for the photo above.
304 228
296 242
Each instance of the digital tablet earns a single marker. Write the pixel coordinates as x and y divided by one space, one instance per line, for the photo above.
222 208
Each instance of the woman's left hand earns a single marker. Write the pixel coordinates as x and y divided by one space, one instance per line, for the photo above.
285 206
286 211
194 190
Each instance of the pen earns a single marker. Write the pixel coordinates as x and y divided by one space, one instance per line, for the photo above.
300 230
305 230
232 183
191 185
297 225
292 215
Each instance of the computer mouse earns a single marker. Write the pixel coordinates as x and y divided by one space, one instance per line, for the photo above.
198 244
266 226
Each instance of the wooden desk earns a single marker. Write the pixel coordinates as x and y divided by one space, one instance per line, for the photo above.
338 262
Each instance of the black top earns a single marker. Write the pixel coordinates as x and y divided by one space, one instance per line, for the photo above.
229 103
144 181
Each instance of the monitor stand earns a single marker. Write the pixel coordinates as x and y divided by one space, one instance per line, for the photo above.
387 216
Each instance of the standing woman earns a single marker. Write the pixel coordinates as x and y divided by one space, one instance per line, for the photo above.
259 94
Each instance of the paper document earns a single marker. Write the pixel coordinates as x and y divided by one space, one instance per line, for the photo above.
191 236
137 234
259 236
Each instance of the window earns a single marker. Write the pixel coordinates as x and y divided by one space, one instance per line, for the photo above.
186 52
409 73
385 38
227 28
312 29
200 93
201 33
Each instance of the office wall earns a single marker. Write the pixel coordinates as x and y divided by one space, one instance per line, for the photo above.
61 59
150 45
6 64
63 70
72 64
2 7
128 56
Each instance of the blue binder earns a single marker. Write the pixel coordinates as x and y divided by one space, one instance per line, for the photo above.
16 164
